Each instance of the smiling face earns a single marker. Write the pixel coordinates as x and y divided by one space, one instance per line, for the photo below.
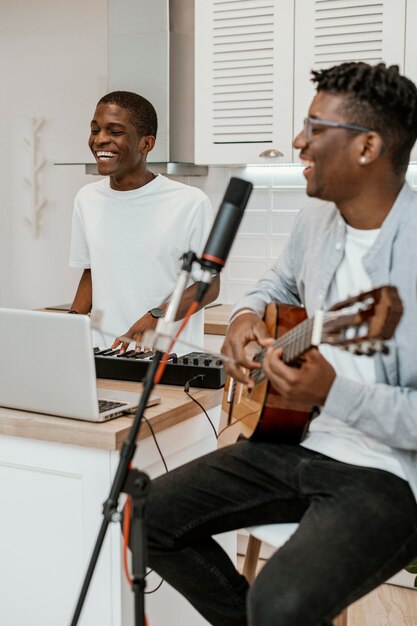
332 156
117 146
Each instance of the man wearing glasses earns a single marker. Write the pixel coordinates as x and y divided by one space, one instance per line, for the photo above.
312 124
351 483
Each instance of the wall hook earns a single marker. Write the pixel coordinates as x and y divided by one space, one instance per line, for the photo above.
31 182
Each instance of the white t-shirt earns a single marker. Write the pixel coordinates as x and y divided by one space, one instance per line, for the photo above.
133 242
327 434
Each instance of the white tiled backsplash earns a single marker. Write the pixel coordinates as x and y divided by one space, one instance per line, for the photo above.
278 194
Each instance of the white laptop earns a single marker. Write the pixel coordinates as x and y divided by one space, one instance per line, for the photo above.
47 366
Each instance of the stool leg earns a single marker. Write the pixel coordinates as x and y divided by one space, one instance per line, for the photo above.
251 559
341 619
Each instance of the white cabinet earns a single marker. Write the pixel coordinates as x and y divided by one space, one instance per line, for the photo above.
243 79
52 494
329 32
253 64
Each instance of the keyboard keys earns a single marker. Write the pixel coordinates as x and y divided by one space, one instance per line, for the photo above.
107 405
105 352
129 354
144 355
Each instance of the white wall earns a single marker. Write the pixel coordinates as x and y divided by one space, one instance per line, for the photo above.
53 64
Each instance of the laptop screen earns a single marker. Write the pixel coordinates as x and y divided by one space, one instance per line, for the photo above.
47 363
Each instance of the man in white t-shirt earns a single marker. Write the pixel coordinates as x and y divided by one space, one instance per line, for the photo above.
131 228
351 482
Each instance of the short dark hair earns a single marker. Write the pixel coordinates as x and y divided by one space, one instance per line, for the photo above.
377 97
143 114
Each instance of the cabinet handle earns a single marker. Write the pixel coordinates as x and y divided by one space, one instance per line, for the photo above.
271 153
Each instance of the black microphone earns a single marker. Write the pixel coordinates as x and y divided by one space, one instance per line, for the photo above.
225 225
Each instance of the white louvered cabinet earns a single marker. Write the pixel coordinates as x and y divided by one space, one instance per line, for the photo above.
328 32
253 63
243 79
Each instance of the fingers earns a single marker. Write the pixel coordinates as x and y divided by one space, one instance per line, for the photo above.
238 361
123 342
281 376
310 383
240 370
239 374
274 365
268 341
243 330
262 336
135 333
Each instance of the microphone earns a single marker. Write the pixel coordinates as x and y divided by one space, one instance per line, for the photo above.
225 226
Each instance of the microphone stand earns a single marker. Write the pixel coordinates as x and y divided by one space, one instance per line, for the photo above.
134 482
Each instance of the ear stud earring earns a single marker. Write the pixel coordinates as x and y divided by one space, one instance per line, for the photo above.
362 160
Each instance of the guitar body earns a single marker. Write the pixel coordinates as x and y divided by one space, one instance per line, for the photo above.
261 413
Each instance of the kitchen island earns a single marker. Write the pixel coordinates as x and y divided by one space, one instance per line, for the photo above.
55 473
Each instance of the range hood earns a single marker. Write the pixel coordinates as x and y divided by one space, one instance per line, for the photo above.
151 52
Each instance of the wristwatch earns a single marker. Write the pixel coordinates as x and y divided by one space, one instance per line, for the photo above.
157 312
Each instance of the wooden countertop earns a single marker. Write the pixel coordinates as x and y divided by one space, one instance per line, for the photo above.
175 407
216 319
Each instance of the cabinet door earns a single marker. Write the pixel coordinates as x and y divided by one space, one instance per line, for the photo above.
54 494
243 79
328 32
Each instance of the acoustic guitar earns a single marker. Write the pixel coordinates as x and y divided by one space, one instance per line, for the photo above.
360 324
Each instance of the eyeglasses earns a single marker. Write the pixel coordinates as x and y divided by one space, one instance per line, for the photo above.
310 122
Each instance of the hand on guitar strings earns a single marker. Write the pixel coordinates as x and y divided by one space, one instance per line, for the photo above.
244 330
310 383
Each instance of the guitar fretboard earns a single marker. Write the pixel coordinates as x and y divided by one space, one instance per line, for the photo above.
294 343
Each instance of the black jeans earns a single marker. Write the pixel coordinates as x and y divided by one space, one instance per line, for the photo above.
358 527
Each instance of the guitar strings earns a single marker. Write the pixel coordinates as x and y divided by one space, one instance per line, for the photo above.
297 333
293 338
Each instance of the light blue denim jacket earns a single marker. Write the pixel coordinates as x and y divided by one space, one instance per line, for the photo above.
386 410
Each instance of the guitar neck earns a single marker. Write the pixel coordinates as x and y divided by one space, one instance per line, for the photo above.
296 341
359 324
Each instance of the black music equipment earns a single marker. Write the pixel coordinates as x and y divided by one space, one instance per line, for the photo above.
179 369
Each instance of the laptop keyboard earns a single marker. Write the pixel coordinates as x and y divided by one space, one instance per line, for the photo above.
108 405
